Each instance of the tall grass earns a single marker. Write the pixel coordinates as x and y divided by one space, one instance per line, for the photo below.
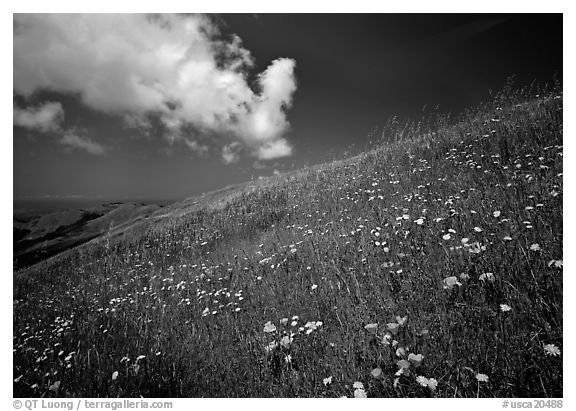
430 265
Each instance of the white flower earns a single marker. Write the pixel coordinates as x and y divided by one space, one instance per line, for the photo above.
487 277
269 327
314 286
423 381
535 247
360 393
551 349
556 263
496 213
371 327
415 359
376 372
505 307
392 327
271 347
482 377
114 375
327 380
478 229
450 282
358 385
446 237
286 341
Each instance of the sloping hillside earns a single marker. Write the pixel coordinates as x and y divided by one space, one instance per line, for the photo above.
39 235
430 266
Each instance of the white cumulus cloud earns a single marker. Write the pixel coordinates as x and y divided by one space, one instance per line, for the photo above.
45 118
178 68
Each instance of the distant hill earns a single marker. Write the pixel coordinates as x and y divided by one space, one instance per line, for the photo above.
39 235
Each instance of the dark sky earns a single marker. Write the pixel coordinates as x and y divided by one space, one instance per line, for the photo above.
352 72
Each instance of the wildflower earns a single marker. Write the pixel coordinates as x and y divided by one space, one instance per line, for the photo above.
556 263
140 357
401 320
446 237
535 247
487 277
482 377
288 359
55 387
371 327
327 381
478 229
507 238
284 321
294 323
271 347
415 359
286 341
386 339
358 385
403 364
400 352
464 276
551 349
423 381
269 327
496 213
392 327
450 282
114 375
376 372
432 384
465 240
314 286
360 393
505 307
475 248
419 221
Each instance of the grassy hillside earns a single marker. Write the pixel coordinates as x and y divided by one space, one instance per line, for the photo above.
429 266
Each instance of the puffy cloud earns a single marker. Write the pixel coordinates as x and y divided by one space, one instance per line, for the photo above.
45 118
274 149
231 153
75 139
178 68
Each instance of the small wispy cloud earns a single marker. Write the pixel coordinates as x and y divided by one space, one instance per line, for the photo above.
201 150
47 117
77 140
231 153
